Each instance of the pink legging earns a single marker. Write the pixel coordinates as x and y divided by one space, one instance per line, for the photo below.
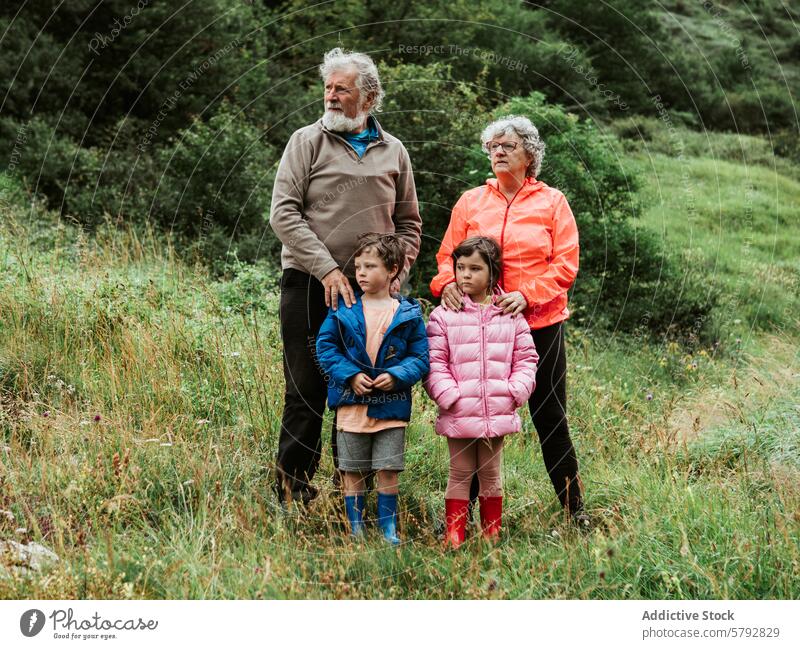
470 455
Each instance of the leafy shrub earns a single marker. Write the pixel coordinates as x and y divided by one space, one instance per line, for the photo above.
251 286
439 120
215 185
87 183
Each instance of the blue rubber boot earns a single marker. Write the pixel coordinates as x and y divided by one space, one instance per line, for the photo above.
355 514
387 517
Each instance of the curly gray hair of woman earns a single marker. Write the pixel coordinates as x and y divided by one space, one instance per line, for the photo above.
524 129
368 82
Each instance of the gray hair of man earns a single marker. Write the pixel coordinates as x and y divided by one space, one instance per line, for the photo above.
524 129
367 80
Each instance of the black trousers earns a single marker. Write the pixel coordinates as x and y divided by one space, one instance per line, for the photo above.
302 312
548 408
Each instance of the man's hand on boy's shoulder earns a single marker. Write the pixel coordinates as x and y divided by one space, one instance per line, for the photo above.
384 381
336 284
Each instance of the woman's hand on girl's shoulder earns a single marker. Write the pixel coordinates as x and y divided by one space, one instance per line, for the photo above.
452 299
513 302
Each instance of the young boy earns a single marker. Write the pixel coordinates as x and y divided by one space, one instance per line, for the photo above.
372 353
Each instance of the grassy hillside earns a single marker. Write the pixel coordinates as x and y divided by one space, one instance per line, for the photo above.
140 405
740 223
734 207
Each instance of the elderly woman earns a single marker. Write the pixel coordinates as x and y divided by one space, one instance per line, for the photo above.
538 237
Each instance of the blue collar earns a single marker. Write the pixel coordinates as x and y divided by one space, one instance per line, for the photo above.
354 316
369 134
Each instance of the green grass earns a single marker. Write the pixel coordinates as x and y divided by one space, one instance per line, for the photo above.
166 494
737 222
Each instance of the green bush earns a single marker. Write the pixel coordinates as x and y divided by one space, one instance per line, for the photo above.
215 187
439 120
87 183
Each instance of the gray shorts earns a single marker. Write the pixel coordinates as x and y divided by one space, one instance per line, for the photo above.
361 452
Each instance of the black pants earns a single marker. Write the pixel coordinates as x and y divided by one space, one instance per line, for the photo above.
302 312
548 407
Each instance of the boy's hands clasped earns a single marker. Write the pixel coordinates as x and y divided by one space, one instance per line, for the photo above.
362 384
384 382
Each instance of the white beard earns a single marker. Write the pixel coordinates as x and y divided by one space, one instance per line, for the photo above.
335 120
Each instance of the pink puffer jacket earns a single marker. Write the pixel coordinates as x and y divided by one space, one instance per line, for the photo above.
483 367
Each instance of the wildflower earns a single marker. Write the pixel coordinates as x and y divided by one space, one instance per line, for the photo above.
46 413
235 354
649 396
97 417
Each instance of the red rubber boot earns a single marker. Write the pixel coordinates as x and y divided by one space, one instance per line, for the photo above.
491 516
456 519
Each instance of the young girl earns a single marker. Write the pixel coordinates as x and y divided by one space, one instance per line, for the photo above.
483 367
372 353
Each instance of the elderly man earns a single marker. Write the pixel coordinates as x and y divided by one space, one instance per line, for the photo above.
339 177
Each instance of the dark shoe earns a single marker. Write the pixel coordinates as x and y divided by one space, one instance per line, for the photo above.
582 521
300 496
305 495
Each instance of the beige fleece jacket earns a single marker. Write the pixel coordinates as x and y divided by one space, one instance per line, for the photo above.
325 196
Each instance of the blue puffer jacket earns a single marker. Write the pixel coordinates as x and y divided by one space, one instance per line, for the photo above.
403 353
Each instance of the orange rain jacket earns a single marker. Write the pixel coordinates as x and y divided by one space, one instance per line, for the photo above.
537 235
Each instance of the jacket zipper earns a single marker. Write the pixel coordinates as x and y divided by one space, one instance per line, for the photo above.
483 370
505 220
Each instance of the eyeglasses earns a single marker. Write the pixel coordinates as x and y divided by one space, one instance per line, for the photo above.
508 147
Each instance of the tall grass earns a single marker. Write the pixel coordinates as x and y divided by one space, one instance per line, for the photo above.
140 409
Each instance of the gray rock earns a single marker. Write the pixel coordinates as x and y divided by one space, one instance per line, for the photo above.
24 557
